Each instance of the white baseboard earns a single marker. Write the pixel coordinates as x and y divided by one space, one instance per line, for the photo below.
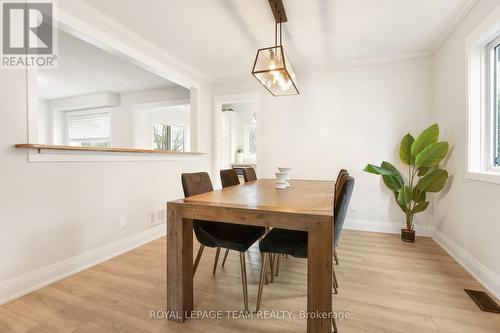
480 272
26 283
383 226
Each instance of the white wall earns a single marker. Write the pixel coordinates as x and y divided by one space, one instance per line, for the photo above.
345 118
53 214
466 218
44 119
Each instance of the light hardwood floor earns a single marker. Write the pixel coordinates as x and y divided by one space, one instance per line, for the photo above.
385 285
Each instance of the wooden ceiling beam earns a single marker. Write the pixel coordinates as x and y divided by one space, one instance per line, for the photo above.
278 10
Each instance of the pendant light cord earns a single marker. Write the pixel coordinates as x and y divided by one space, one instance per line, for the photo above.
276 34
281 35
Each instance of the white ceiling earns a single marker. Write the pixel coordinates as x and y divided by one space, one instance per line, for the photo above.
83 68
219 38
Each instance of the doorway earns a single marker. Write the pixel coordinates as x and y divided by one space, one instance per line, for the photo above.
236 133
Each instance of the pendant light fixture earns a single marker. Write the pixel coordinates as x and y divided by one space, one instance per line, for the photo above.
272 67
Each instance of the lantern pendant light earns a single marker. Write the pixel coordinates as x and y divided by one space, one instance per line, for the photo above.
272 67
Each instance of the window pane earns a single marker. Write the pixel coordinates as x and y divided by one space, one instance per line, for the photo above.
160 137
169 137
177 137
252 141
497 107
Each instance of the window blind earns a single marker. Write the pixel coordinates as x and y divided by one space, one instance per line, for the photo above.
89 126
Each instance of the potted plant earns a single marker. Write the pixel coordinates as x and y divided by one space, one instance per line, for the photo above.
239 155
422 156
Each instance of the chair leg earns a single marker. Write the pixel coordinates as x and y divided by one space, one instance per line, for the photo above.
335 283
217 253
335 256
198 257
278 261
271 263
261 282
334 325
266 282
244 279
225 257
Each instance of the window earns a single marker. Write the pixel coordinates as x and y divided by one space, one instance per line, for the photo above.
89 128
250 150
169 137
483 115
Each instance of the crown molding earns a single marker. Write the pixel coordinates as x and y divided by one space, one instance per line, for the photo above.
381 60
462 14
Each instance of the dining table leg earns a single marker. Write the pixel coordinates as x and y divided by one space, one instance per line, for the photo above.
319 278
179 265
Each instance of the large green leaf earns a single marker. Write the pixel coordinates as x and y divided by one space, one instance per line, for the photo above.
434 181
397 174
404 208
432 155
378 170
427 137
422 171
405 150
418 195
390 175
420 207
391 182
405 196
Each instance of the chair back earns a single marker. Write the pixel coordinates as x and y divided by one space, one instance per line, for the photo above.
339 183
193 184
229 178
341 208
196 183
249 174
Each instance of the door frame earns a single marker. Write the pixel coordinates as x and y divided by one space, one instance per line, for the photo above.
217 128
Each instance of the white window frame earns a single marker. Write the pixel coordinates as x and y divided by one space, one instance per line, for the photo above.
493 80
490 105
480 93
91 112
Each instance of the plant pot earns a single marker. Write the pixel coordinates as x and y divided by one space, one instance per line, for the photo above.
408 235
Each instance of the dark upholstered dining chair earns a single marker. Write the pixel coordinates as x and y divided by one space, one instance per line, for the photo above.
229 178
294 243
217 234
249 174
341 178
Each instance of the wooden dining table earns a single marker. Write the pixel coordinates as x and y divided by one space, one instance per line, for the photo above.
306 205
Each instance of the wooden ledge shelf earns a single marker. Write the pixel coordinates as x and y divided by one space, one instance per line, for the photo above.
41 147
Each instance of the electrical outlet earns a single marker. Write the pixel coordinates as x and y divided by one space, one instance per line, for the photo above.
353 207
123 223
157 216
